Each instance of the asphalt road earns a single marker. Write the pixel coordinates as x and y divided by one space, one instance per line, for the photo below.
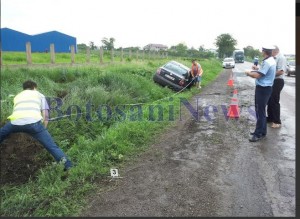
206 166
275 157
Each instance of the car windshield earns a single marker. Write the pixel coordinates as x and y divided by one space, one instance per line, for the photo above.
292 63
228 60
176 68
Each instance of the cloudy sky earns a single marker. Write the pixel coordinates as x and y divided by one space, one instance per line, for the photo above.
168 22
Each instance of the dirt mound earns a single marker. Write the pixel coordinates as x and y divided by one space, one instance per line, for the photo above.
19 160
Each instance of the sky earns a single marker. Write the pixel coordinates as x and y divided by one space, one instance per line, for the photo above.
169 22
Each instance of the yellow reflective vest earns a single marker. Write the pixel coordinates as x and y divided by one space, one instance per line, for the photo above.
27 104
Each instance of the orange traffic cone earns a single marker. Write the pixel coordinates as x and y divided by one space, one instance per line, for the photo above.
230 82
234 110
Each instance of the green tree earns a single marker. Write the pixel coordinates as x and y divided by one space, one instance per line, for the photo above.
92 45
225 44
201 48
193 53
108 43
81 47
251 52
181 49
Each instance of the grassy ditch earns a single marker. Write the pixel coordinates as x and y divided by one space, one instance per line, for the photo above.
92 137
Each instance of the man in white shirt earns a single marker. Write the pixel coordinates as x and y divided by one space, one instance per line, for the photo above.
273 108
30 115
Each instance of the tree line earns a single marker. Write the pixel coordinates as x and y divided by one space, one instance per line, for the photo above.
224 43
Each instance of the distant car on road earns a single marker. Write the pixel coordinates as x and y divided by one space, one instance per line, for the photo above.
291 68
174 75
228 63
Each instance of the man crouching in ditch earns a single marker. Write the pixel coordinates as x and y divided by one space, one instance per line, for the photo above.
30 115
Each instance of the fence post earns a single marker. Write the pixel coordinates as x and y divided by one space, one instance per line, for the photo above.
137 55
28 53
121 54
130 53
72 54
101 55
143 55
112 54
52 53
88 54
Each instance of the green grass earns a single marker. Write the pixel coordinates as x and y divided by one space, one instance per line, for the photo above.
94 146
19 58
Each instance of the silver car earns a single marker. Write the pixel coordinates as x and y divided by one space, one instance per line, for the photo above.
228 63
291 68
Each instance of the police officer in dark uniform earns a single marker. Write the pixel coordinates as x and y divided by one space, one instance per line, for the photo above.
264 76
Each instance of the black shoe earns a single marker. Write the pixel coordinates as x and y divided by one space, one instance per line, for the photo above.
67 168
252 133
255 138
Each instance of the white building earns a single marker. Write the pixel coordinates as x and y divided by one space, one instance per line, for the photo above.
155 47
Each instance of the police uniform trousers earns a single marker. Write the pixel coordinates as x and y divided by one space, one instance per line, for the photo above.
262 95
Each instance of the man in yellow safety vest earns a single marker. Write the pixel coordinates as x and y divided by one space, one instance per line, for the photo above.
30 115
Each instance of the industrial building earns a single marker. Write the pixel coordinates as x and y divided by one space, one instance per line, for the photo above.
12 40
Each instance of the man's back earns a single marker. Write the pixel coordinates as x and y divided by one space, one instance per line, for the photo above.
27 107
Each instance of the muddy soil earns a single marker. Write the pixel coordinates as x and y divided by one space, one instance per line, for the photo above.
203 166
20 157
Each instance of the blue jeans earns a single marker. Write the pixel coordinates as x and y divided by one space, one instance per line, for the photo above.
198 78
40 133
262 95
